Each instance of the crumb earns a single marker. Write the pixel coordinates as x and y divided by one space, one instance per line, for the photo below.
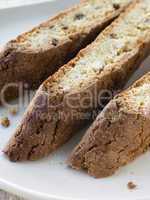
131 186
5 122
13 111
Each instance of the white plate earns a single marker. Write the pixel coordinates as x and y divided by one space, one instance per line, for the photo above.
50 178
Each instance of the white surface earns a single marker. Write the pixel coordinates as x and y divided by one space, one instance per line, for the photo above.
50 178
16 3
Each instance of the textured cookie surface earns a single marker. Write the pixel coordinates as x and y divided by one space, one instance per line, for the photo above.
66 100
119 134
35 55
76 20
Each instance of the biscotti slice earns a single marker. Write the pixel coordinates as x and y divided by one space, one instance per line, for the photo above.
66 100
35 55
120 133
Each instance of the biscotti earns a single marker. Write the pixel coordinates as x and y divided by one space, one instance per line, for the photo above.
66 100
120 133
35 55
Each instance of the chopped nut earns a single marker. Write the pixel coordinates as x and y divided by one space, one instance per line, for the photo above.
52 26
116 6
131 186
79 16
64 27
13 111
5 122
113 35
54 42
142 103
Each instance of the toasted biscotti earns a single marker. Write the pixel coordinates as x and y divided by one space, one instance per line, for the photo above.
35 55
66 100
120 133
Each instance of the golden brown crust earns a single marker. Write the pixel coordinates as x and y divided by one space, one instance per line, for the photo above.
34 66
118 135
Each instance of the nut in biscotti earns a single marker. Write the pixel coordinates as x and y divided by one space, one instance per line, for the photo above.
34 55
68 98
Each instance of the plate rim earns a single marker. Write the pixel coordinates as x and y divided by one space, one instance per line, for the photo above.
30 194
34 195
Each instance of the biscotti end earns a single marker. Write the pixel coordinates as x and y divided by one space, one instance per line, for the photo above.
31 141
119 134
89 154
43 129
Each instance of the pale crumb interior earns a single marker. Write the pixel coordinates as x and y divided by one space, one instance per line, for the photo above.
110 49
139 98
78 20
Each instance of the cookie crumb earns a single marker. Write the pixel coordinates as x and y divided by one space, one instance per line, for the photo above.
131 186
13 111
5 122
